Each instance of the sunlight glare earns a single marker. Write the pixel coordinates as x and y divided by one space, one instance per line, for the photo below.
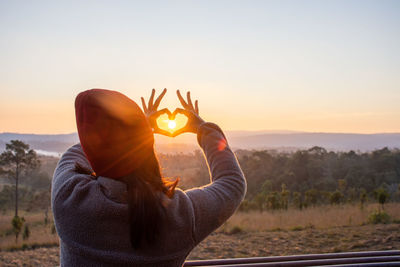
171 124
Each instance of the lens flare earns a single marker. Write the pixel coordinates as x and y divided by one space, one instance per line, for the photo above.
221 144
171 124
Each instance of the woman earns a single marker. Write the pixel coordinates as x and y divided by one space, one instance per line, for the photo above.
110 203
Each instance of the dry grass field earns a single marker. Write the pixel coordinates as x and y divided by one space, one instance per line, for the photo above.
40 234
317 217
314 230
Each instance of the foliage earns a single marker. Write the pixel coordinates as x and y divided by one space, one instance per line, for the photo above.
316 176
312 196
381 195
260 200
336 197
273 201
320 170
26 233
15 161
297 200
26 198
284 197
378 216
17 223
275 180
17 158
363 197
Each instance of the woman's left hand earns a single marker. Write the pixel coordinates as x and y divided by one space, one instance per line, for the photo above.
152 113
191 112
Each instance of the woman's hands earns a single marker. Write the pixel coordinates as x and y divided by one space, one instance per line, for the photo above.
152 113
191 112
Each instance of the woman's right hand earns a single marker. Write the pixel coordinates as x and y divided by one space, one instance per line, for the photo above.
152 113
191 112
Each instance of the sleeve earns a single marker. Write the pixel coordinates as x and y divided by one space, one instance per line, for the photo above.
70 188
213 204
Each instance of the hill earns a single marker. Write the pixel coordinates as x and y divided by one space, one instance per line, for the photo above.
278 140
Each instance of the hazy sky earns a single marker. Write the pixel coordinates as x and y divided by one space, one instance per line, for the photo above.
327 66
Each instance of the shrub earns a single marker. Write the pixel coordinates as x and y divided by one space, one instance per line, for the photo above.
17 223
336 198
382 196
377 217
26 233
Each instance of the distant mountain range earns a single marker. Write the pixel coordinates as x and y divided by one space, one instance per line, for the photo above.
279 140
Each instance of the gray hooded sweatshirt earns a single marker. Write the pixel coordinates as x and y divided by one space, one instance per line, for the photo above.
92 219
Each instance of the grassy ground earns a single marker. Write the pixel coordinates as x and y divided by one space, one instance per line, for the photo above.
317 217
314 230
40 233
256 244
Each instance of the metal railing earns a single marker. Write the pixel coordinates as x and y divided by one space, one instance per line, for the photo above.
365 258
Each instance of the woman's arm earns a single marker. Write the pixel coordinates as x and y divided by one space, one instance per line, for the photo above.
215 203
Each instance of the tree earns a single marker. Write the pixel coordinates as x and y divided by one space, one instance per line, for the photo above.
273 200
15 161
297 200
342 184
260 200
311 197
284 197
336 197
382 196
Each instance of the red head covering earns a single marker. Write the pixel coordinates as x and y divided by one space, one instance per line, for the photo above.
113 131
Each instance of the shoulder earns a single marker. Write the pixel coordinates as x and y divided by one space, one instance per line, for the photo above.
66 181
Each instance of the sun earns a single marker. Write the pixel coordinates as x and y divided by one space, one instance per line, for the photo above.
171 124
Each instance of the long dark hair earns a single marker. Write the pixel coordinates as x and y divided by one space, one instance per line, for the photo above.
146 210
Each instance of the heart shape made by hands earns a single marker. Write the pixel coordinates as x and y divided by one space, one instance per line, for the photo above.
171 124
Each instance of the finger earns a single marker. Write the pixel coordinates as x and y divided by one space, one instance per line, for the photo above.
144 105
150 106
182 111
159 98
196 107
179 131
189 100
163 132
163 111
171 116
181 99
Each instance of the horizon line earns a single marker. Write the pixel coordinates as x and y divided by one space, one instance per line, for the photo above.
278 131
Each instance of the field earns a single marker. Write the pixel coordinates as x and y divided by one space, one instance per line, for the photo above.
40 233
320 217
313 230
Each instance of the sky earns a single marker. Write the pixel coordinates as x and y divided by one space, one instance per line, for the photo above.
316 66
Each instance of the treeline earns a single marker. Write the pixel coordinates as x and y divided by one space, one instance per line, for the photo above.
276 180
316 176
321 170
